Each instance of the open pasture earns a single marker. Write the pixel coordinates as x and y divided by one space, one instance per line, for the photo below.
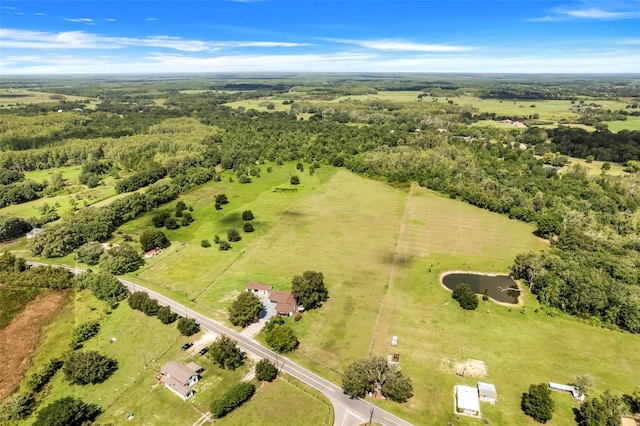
517 348
12 97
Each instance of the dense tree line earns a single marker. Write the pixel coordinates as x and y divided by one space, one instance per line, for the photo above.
20 192
603 145
153 173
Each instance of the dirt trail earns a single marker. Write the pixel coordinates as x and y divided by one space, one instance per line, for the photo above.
20 339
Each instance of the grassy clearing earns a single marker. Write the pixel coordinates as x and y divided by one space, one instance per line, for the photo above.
595 168
261 104
518 349
631 123
189 269
10 97
13 300
310 408
347 230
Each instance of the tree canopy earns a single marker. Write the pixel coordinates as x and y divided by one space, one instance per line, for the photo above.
376 375
91 367
226 354
67 412
281 338
537 403
309 289
245 309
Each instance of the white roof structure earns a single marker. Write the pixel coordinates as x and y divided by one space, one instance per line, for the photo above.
467 398
487 390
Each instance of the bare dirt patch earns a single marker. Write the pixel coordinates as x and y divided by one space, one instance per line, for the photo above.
468 367
21 337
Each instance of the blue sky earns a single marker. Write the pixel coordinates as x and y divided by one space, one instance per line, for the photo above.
61 37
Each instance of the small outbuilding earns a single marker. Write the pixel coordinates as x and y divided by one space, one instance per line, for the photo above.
259 289
573 390
467 401
34 232
487 392
151 253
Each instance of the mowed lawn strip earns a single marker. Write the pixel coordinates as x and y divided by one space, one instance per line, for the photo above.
272 405
518 349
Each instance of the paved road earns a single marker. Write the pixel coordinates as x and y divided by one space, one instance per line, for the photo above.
348 412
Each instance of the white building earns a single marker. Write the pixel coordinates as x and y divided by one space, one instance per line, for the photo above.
467 401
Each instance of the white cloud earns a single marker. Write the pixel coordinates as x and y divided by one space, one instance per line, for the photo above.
23 39
594 62
110 20
87 21
400 45
590 13
39 14
630 41
151 19
597 14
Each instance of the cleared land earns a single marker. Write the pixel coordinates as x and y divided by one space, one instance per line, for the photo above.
272 404
518 349
20 339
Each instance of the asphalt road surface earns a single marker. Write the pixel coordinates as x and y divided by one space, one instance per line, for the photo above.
348 412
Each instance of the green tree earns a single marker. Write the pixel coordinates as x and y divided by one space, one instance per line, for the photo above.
187 219
152 238
159 219
247 215
295 180
537 403
248 227
224 245
549 225
121 259
187 326
584 383
465 296
84 332
89 253
166 315
222 199
233 235
104 286
245 309
604 411
232 399
606 166
378 376
309 289
39 379
180 207
281 338
171 223
91 367
266 371
225 352
67 412
17 407
205 243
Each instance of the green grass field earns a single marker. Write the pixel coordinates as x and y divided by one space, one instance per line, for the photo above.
518 349
10 98
304 406
631 123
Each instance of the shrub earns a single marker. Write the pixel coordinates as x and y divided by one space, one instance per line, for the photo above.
205 243
38 380
153 238
281 338
247 215
17 407
166 316
224 245
537 403
91 367
84 332
247 227
295 180
233 235
234 398
465 297
265 370
187 326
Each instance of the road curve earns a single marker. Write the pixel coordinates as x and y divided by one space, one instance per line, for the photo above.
348 411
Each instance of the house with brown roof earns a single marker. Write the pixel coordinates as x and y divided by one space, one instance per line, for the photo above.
259 289
285 302
179 378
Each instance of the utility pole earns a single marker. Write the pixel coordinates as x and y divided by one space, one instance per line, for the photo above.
370 413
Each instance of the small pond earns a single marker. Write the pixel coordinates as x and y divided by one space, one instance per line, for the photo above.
495 285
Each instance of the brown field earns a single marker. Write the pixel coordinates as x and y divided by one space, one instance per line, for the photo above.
20 339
